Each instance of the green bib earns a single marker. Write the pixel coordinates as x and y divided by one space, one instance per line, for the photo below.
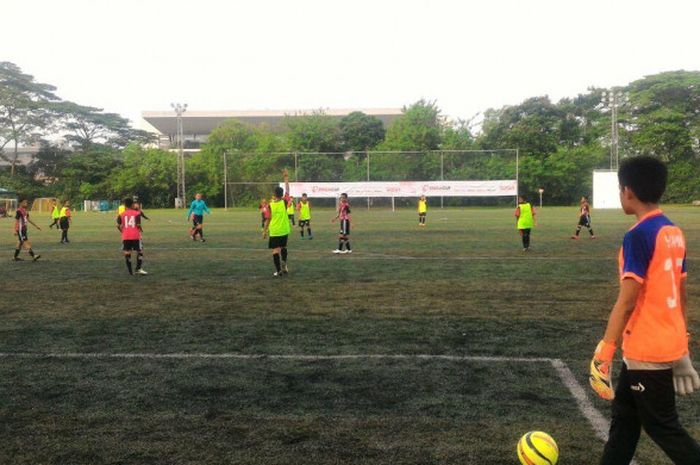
526 220
305 211
279 221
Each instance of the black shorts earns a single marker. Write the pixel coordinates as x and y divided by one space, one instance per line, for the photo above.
22 235
420 215
584 220
65 224
303 223
197 220
344 227
278 241
134 244
290 216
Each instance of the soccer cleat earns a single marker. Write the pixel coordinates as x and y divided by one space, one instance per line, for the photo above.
36 257
141 271
600 379
337 251
574 238
204 240
17 259
285 270
593 237
276 274
348 251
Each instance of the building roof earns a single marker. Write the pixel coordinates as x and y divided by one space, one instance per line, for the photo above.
203 122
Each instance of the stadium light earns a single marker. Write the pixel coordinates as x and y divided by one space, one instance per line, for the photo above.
181 193
613 100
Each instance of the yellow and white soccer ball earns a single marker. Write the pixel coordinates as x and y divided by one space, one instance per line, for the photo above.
537 448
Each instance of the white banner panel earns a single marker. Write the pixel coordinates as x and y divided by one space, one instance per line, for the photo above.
606 190
406 189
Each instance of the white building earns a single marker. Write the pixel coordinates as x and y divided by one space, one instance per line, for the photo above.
197 125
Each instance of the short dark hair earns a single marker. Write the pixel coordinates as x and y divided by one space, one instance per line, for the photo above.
279 192
128 202
645 176
304 194
522 196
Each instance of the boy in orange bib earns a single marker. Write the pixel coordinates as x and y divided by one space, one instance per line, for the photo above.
649 318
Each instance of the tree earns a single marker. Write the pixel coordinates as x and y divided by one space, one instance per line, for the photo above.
148 174
360 132
419 128
87 126
25 109
316 132
533 126
49 162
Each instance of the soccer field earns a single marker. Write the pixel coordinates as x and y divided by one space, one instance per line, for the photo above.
211 360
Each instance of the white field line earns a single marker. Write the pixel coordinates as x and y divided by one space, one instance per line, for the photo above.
356 255
597 421
237 356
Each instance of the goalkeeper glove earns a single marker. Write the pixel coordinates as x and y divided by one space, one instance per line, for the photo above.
685 378
601 366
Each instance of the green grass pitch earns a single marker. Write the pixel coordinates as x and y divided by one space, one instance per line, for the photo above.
460 286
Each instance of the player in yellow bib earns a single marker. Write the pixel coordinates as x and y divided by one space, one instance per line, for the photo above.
525 220
290 210
422 210
55 214
277 227
304 208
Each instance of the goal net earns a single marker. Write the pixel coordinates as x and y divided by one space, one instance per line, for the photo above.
385 179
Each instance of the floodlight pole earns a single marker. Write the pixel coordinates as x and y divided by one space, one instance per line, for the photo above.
614 100
181 193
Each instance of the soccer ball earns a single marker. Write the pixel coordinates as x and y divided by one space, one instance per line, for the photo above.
537 448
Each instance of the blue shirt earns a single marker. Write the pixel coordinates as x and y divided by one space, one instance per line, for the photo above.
198 207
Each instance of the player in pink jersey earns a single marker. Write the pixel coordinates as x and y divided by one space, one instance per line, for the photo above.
129 224
22 222
344 233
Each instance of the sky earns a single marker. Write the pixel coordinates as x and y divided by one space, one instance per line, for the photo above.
128 56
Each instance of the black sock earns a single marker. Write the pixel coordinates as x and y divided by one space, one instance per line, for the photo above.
128 263
590 230
139 262
578 230
340 244
201 234
276 259
347 244
284 255
31 253
302 232
309 230
17 252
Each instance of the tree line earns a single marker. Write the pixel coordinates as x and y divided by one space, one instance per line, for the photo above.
560 143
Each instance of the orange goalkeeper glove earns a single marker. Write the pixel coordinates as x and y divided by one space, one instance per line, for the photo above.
601 366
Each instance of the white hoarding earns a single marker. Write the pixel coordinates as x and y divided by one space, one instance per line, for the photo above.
502 188
606 190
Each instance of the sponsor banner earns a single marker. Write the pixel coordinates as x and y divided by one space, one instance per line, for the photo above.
406 189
